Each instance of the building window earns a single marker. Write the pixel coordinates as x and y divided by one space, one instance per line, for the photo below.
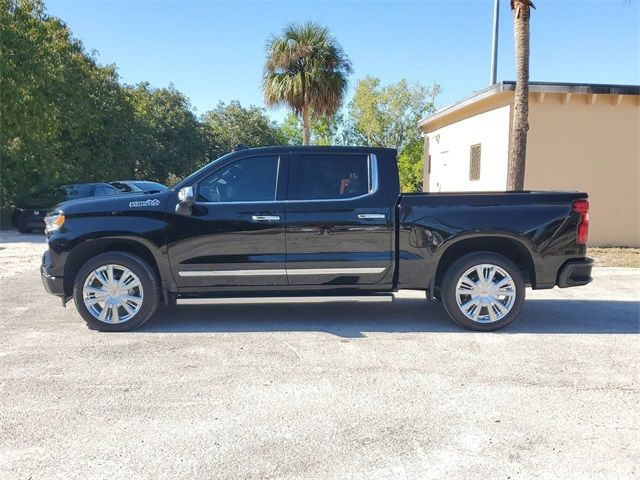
474 162
429 164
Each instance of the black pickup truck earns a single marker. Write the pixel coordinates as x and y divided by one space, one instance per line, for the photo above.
285 221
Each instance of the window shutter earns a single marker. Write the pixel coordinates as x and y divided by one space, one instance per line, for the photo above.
474 162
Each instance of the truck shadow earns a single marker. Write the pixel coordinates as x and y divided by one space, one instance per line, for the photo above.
355 320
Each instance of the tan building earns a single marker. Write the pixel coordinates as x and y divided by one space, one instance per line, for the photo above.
581 137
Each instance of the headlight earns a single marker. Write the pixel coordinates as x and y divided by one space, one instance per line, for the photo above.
53 221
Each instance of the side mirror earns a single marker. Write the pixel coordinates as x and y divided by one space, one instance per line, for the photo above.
186 195
186 199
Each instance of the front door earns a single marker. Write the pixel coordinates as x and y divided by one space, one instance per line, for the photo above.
339 221
235 234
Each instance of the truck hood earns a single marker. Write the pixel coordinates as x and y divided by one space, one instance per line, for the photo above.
115 203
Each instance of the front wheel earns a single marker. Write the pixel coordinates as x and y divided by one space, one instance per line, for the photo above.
483 291
116 291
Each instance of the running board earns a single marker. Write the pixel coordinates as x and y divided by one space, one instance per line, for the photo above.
296 299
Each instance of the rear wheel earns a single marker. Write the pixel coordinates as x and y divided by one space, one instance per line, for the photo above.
483 291
116 291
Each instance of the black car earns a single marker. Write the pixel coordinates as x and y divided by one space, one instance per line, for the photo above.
312 221
139 186
29 214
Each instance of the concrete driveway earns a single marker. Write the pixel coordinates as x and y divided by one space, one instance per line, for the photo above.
320 391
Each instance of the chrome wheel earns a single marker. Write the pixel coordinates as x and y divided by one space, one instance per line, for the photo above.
485 293
112 294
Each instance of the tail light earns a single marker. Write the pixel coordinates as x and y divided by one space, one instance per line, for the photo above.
581 207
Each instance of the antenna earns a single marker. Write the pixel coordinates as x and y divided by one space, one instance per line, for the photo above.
494 42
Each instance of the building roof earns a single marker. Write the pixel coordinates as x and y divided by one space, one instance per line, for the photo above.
535 87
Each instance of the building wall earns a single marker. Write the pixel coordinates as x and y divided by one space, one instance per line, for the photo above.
449 148
590 144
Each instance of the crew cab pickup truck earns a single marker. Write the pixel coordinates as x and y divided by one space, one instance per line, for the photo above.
285 221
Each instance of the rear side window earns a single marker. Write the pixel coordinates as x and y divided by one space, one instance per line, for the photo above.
72 192
104 190
123 187
247 180
327 177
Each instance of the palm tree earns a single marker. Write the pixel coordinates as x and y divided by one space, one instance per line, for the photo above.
518 153
306 69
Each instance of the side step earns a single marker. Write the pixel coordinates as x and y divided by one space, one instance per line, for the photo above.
260 300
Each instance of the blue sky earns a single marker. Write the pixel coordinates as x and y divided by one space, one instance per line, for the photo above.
214 50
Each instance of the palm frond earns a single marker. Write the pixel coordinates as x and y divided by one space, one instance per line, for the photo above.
306 68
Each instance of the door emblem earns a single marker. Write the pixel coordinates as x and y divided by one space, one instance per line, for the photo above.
144 203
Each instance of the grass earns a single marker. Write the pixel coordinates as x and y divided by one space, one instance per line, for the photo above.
615 256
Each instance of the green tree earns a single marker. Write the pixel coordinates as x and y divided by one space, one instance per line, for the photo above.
387 116
306 69
324 131
64 117
170 140
231 124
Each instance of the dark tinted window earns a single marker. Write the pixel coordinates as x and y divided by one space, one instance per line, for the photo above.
73 192
322 177
123 187
104 190
247 180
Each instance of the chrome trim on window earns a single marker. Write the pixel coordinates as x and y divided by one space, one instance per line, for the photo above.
374 183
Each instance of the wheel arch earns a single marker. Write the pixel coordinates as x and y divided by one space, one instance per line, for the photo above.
88 249
511 248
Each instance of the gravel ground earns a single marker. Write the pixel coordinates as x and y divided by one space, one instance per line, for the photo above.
320 391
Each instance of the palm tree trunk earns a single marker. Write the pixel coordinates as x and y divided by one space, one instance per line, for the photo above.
306 126
520 124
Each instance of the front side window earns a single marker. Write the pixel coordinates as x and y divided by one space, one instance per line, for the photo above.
246 180
327 177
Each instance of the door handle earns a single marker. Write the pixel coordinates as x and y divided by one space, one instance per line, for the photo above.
265 218
369 216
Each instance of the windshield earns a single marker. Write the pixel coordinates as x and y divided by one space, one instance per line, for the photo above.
147 186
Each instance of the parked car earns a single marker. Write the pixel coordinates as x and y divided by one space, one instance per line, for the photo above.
139 186
284 221
30 213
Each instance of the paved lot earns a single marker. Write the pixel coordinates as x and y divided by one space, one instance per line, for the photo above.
319 391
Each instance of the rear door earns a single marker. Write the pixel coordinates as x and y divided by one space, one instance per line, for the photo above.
339 222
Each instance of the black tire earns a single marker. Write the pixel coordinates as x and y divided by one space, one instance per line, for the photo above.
148 280
455 272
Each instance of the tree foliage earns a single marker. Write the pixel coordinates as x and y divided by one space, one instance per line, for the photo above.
324 130
306 69
64 117
170 140
231 124
387 116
